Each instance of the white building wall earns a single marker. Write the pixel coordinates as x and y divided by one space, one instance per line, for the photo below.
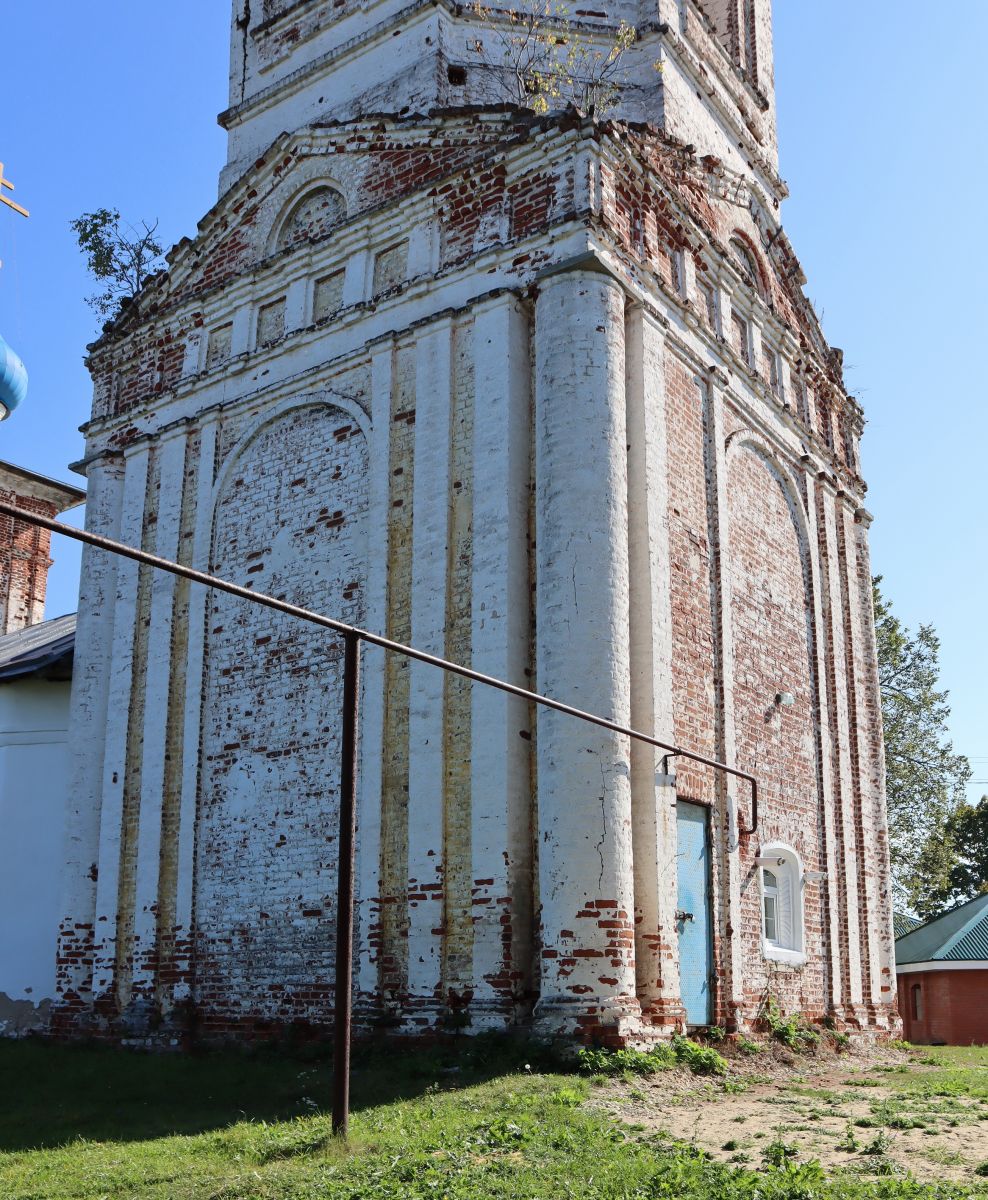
34 719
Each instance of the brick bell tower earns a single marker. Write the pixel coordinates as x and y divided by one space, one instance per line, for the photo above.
538 391
295 63
25 549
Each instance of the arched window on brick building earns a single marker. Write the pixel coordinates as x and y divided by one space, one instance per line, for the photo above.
782 904
745 260
748 41
316 214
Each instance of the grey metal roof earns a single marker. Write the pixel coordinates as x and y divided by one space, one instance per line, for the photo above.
39 649
24 482
960 935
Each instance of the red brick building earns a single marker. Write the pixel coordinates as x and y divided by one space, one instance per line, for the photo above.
943 978
25 548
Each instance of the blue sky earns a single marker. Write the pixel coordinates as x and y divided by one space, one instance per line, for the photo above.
881 127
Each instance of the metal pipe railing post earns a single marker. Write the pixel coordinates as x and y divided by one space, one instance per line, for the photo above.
345 891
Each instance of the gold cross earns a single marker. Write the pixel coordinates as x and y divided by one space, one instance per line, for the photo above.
5 183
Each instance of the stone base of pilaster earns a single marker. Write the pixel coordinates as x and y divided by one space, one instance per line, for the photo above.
868 1020
613 1022
665 1015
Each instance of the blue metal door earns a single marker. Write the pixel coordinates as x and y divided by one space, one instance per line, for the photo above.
693 919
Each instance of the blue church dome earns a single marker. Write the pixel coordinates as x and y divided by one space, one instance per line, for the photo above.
13 380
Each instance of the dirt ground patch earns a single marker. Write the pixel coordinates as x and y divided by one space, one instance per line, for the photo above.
869 1112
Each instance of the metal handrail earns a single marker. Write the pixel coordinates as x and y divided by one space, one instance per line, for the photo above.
353 636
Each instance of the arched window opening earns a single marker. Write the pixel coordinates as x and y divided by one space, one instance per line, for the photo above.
316 214
745 261
770 903
749 42
782 904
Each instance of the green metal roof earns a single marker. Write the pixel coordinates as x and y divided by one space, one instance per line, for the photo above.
903 924
960 935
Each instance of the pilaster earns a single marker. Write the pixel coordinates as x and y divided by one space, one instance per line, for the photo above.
192 734
430 541
863 737
118 708
872 766
834 865
653 793
374 679
87 738
586 878
843 791
500 758
172 449
728 917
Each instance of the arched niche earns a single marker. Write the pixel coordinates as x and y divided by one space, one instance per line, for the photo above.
289 519
771 599
747 261
771 610
316 213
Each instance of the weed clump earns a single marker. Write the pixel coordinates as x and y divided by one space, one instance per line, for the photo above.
779 1153
794 1031
701 1060
633 1062
880 1146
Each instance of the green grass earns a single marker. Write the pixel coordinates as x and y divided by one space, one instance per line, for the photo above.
958 1071
93 1124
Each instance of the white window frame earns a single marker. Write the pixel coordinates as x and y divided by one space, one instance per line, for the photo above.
788 945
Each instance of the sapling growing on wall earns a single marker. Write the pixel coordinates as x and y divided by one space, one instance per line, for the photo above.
545 60
120 257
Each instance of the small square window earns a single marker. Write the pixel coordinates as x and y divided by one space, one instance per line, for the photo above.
327 296
270 323
220 346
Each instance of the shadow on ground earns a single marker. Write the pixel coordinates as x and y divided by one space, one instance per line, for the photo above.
52 1094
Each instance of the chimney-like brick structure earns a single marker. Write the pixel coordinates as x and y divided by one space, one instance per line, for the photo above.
25 548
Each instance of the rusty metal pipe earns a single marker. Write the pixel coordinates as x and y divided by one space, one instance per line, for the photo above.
345 890
375 639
